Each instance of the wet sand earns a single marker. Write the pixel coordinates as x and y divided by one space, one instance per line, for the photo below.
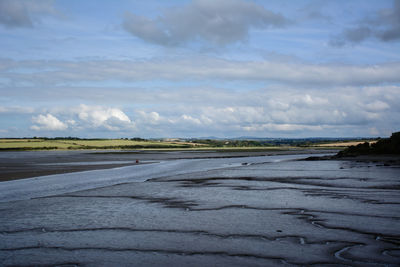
252 211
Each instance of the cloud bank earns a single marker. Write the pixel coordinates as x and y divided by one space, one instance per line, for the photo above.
265 112
62 72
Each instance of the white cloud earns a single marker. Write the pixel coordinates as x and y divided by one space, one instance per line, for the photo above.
112 119
48 122
152 118
214 21
83 118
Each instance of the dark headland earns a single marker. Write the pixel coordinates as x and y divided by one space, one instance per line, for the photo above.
385 150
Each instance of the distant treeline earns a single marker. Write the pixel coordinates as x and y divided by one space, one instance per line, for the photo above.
303 142
383 146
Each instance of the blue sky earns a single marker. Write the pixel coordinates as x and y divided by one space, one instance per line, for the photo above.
225 68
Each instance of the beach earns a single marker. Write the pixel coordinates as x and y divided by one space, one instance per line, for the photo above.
202 208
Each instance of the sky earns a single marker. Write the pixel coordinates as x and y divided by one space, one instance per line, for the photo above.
199 68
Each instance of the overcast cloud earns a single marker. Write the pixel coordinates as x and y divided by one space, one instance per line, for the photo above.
199 68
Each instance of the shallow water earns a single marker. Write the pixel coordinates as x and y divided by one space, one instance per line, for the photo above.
70 182
257 211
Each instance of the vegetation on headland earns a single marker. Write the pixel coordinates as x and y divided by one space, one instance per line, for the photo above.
75 143
382 146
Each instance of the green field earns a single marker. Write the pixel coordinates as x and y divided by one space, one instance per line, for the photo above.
42 144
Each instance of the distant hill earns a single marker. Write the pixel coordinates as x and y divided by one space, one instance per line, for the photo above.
383 146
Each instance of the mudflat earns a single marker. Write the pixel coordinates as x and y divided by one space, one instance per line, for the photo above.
205 209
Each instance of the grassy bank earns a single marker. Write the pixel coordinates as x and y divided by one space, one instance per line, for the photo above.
60 144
